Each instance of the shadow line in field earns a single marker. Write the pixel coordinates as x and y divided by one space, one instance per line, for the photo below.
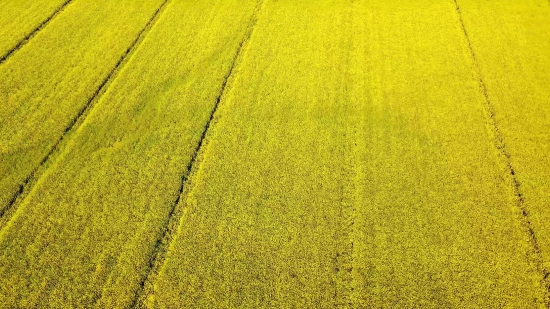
35 31
157 258
8 209
506 159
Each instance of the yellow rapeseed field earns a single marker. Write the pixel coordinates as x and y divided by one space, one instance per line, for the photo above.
20 19
275 154
374 183
84 235
512 47
46 84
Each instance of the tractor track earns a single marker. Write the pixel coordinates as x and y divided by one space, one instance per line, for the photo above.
158 255
35 31
506 159
27 183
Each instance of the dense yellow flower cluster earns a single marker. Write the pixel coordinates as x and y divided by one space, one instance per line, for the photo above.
275 154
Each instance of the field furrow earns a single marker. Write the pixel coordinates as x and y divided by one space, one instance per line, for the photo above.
87 233
170 225
274 154
262 223
7 210
351 171
20 20
442 227
47 85
511 43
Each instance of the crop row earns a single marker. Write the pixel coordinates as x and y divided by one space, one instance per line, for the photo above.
85 233
46 84
19 20
278 154
352 171
511 47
